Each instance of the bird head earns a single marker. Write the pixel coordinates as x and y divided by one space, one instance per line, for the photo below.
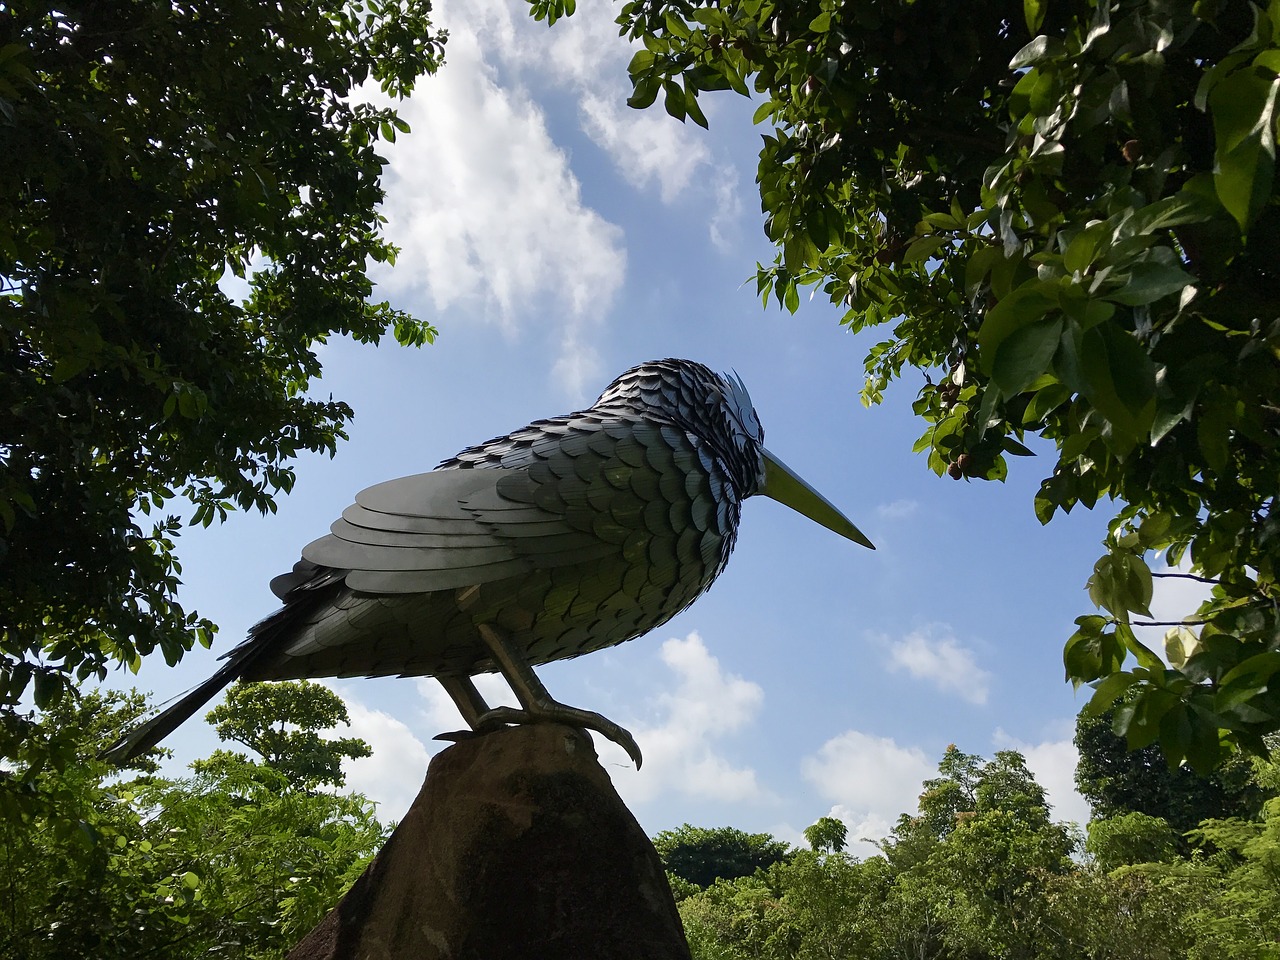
718 410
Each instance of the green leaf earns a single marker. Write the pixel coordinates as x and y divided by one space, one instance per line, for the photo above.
1145 656
979 265
1185 206
1024 355
694 109
1112 370
1014 448
674 99
923 248
1045 401
763 112
1148 282
1204 745
1106 692
1033 11
48 688
1088 656
1041 48
1244 113
645 92
1084 247
1211 434
821 23
1139 592
1026 304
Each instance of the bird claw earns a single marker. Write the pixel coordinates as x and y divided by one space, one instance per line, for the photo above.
560 713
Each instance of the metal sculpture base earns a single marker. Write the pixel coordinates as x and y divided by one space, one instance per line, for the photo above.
537 705
517 847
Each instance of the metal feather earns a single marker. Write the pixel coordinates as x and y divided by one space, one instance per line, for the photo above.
566 536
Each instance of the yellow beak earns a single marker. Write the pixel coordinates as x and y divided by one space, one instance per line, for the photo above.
782 484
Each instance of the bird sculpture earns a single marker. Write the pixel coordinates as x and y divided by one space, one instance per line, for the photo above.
567 536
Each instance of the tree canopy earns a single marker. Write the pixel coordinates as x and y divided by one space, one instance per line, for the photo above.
1062 212
700 856
281 722
152 150
1118 781
981 872
235 860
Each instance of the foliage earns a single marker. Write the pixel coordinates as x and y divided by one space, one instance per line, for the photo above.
996 883
1130 915
233 862
1065 213
152 150
984 836
1130 838
1116 781
1242 919
702 855
836 904
736 918
977 856
827 835
260 715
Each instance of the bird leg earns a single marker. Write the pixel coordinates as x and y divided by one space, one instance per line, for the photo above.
537 705
467 699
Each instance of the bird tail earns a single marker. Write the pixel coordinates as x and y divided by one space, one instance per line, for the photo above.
264 637
146 735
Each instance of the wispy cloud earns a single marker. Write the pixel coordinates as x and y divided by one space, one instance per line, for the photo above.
585 55
897 510
726 223
681 753
487 211
934 655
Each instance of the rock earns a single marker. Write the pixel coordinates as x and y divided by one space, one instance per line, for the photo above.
517 846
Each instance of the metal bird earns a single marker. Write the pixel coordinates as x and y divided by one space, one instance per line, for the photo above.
567 536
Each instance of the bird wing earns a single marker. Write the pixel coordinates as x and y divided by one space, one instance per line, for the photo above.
453 528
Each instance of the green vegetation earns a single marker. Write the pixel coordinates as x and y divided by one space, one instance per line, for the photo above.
1065 214
980 872
150 150
241 859
244 856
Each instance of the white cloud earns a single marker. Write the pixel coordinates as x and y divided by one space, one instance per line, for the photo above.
725 225
1053 762
585 55
897 510
392 776
680 753
647 146
439 712
870 780
934 655
487 211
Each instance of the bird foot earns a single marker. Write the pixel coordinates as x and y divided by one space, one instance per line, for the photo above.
456 736
554 712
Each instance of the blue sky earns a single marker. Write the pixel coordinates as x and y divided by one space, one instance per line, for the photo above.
556 238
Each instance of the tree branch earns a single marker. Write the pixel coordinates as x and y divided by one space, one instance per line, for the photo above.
1187 576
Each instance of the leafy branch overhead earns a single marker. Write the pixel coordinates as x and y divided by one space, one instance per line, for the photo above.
1064 214
148 159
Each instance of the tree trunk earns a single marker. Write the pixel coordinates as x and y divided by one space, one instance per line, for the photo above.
517 847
